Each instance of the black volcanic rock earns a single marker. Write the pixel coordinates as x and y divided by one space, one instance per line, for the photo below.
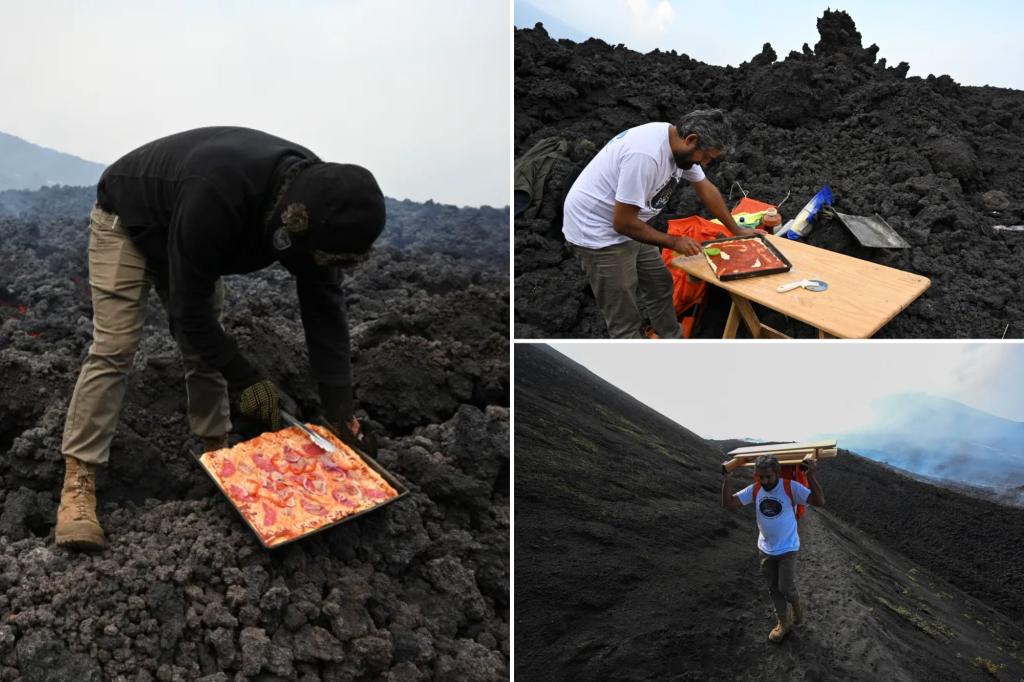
924 153
417 590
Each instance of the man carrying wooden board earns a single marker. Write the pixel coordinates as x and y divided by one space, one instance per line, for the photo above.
778 540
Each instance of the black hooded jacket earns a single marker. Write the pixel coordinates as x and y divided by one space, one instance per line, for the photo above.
197 204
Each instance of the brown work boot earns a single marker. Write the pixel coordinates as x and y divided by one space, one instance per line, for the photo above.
77 525
780 629
798 613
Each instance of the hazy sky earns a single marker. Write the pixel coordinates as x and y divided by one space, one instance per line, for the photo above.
977 42
418 92
714 389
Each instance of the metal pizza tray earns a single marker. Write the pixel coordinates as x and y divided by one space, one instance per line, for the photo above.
399 487
785 267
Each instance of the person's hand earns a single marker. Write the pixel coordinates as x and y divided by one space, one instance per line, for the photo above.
809 465
686 246
354 434
745 232
726 473
264 401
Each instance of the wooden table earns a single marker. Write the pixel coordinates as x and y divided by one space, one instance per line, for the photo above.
862 296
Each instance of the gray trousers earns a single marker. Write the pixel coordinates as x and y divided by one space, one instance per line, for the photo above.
780 572
120 284
625 278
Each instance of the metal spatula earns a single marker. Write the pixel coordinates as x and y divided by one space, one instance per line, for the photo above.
313 436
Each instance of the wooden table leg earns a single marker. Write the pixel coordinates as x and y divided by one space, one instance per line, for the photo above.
732 323
746 312
822 334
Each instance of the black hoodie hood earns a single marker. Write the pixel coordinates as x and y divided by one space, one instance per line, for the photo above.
333 207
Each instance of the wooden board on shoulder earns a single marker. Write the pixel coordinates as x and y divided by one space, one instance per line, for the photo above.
786 453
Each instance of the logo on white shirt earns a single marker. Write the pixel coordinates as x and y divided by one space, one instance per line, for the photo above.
770 507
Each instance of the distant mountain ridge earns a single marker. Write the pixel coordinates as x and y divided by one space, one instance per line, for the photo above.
943 439
417 229
24 165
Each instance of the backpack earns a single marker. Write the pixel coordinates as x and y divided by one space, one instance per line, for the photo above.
790 472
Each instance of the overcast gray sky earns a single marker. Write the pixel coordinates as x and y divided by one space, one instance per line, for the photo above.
418 92
793 390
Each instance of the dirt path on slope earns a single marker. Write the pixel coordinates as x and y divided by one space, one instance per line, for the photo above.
871 614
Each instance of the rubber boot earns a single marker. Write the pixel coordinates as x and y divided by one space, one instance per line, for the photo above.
77 525
781 629
798 613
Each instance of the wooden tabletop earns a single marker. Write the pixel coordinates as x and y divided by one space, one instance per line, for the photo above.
862 296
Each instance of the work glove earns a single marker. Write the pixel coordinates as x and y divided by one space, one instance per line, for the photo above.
337 416
355 434
264 401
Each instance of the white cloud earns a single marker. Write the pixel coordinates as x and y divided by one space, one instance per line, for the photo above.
651 20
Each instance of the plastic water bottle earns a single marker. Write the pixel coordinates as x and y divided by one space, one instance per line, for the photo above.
801 225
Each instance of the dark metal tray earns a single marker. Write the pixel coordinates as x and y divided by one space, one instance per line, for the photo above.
370 462
786 267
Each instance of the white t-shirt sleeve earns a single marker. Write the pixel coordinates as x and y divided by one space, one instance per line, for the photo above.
694 173
637 176
800 492
746 495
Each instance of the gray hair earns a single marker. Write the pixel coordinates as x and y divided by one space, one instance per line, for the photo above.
768 462
711 127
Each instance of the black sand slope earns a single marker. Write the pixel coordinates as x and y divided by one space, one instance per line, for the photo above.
938 160
627 568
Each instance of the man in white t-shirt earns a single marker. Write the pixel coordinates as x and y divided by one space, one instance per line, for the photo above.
778 540
609 205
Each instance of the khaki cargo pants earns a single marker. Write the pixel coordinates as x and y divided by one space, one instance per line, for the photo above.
628 280
120 284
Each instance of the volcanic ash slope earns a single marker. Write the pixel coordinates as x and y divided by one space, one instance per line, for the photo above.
627 568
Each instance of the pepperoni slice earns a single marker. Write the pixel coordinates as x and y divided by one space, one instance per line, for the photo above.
260 460
328 463
227 469
238 492
313 507
269 514
312 484
375 494
313 450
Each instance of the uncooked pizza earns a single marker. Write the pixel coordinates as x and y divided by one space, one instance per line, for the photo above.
286 486
743 257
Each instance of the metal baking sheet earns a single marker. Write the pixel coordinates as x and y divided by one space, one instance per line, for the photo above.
400 488
786 267
874 232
